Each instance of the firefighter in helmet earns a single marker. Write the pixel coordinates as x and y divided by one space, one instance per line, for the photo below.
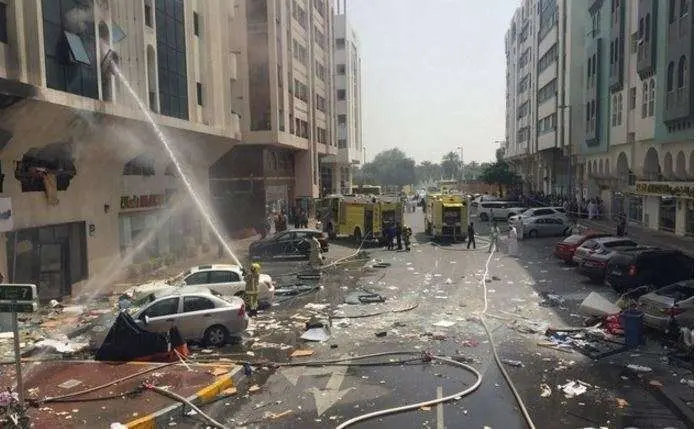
251 290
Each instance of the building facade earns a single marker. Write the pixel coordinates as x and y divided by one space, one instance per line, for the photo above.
638 111
543 53
285 95
337 170
88 191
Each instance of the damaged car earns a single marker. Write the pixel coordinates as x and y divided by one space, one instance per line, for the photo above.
226 280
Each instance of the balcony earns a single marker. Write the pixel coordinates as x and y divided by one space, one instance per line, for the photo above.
677 105
646 59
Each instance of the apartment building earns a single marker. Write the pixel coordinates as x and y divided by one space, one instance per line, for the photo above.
638 110
543 52
84 176
284 92
337 171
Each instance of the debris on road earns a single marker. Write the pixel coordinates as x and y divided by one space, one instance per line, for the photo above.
639 368
621 403
381 334
573 388
511 362
364 297
302 353
255 388
69 384
545 390
597 305
317 334
444 323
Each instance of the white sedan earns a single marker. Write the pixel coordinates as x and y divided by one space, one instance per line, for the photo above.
226 280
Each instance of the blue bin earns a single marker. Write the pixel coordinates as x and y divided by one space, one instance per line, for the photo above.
632 322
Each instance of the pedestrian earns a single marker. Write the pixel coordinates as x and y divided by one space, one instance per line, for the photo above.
304 219
471 235
251 289
513 246
316 259
407 238
390 237
621 225
398 232
495 232
296 216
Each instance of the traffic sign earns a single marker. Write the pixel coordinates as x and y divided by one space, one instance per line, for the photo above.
17 292
17 307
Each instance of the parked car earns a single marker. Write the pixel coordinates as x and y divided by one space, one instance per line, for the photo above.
654 267
675 300
565 249
594 265
198 313
601 244
540 226
519 220
488 210
226 280
289 243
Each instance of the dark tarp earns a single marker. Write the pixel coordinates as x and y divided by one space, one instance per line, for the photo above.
126 341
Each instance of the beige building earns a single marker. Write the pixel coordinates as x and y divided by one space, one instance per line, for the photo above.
85 178
285 96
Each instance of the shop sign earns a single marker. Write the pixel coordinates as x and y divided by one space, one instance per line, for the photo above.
672 189
142 201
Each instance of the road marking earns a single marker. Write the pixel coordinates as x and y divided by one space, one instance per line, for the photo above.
327 397
440 411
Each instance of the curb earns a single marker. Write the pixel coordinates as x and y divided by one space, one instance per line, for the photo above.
161 418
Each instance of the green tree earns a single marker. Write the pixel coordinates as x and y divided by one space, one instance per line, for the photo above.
472 170
391 168
427 172
451 166
499 173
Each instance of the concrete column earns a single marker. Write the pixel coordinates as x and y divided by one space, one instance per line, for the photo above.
303 174
651 212
336 178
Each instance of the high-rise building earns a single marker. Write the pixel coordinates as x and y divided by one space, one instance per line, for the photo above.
638 140
84 177
543 49
337 170
284 92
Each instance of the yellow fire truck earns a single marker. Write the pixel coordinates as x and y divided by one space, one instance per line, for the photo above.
360 217
446 216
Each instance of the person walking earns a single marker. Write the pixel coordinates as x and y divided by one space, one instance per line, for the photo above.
251 289
407 238
513 246
316 258
390 237
398 232
471 235
495 233
621 225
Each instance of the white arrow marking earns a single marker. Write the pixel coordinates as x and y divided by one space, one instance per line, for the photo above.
294 373
326 398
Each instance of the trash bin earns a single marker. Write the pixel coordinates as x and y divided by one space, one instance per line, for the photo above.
632 321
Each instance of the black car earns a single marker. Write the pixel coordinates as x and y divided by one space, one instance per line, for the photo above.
653 267
288 243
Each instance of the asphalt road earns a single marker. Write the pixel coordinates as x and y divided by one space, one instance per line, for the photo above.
445 282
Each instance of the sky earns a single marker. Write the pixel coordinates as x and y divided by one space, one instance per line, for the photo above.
433 75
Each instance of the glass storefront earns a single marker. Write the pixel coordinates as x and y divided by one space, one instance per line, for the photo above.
635 209
156 234
668 213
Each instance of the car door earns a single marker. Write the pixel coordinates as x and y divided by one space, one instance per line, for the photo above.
282 244
161 315
225 282
196 317
197 278
585 249
556 225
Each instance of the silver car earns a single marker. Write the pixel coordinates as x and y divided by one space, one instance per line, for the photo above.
198 314
544 226
676 299
600 245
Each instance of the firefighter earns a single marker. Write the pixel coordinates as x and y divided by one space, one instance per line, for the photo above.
316 259
407 238
251 290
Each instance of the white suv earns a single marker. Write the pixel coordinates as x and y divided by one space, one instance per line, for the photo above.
488 210
227 280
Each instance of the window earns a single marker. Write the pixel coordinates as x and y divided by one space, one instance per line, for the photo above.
321 138
171 58
199 278
341 94
524 58
140 166
161 308
301 91
632 99
613 110
320 71
595 23
549 58
681 80
223 277
523 134
199 93
683 8
341 143
651 98
299 14
148 15
342 119
197 303
196 28
320 7
3 23
546 124
670 76
644 104
634 43
548 91
641 27
321 103
523 110
341 69
648 24
619 109
319 38
611 52
340 43
523 85
299 52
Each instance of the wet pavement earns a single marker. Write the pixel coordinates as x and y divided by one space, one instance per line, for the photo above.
444 282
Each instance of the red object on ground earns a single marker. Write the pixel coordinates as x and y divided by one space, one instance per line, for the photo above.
613 325
566 248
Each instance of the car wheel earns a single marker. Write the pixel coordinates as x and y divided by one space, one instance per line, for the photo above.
533 233
483 217
215 336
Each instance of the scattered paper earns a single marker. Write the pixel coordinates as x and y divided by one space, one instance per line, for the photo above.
639 368
316 334
545 390
573 389
228 392
69 384
217 371
444 323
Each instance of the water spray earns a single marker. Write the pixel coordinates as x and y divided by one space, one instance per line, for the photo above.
109 63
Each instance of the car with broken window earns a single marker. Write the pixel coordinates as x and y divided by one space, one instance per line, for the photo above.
675 300
565 249
600 245
653 267
226 280
292 243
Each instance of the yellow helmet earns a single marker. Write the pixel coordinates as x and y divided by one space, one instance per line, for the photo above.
255 267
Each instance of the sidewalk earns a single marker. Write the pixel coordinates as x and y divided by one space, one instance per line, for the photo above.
644 235
45 379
